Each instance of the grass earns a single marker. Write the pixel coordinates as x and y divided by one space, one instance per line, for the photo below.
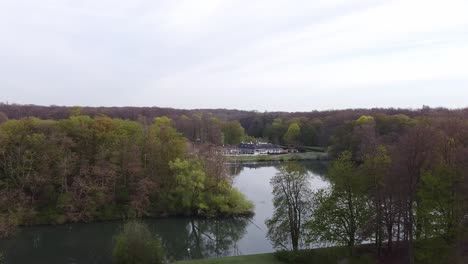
312 155
311 148
253 259
331 255
362 254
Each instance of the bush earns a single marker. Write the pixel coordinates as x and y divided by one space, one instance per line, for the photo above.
136 245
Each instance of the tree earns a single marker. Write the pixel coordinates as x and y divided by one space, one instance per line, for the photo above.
190 183
291 192
340 213
276 131
309 132
415 153
164 144
292 135
440 202
86 169
233 133
376 168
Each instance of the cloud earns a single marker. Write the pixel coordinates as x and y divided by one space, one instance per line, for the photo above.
253 55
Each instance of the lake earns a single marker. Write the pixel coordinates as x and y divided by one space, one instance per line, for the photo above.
183 237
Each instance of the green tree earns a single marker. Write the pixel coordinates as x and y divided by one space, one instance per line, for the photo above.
440 214
190 183
292 135
340 213
362 120
164 144
291 193
309 132
276 130
233 133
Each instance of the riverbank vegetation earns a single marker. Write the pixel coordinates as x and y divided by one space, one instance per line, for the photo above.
397 176
88 169
401 187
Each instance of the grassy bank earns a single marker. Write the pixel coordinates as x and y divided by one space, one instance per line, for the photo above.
312 155
254 259
322 255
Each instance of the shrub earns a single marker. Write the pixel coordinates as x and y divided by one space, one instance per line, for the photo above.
8 226
136 245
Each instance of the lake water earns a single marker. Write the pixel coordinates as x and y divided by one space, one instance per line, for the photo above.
183 238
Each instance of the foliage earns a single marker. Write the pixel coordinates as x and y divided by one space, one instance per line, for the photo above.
376 169
85 169
410 165
441 208
233 133
197 193
190 182
342 212
8 224
291 136
365 120
440 212
291 192
136 245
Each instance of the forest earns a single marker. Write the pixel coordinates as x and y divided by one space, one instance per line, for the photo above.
83 169
398 193
398 176
206 125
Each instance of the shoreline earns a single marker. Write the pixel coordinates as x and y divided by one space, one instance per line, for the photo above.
311 155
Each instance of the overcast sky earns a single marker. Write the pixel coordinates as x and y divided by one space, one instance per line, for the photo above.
254 55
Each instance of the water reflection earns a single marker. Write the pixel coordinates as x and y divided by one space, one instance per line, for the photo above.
183 238
314 167
204 238
75 243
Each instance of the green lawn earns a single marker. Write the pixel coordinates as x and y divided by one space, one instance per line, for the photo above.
248 259
312 155
331 255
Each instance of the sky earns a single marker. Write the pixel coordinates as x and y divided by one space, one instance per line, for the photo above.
264 55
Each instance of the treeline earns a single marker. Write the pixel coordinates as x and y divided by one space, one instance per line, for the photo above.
397 182
85 169
401 181
215 125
